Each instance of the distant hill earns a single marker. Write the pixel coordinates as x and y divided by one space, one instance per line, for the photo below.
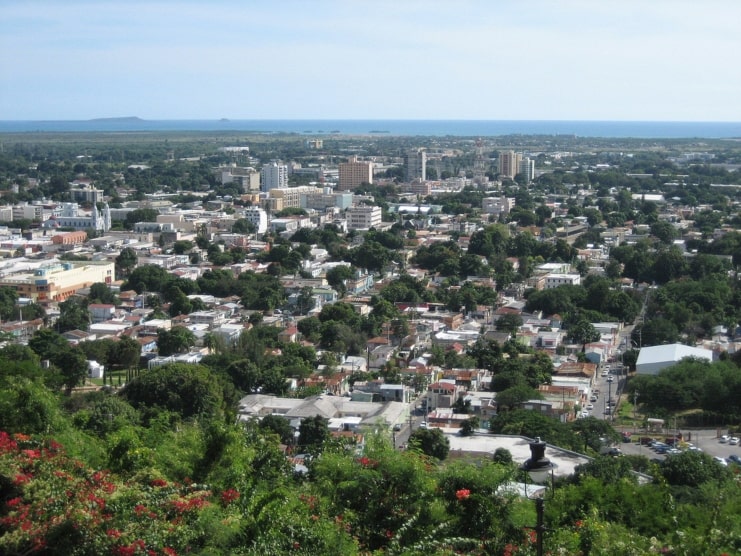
120 119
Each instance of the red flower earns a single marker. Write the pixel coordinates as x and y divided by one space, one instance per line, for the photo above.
462 494
296 546
113 533
579 524
229 495
13 502
22 479
158 483
167 551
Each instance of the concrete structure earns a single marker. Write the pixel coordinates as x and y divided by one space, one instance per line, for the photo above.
86 193
652 359
415 165
555 280
354 172
363 217
322 200
69 238
497 205
509 163
59 280
257 217
28 212
527 169
273 175
291 196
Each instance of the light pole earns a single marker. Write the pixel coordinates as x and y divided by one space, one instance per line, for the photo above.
538 467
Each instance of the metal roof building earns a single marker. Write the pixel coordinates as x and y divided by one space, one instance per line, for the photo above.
652 359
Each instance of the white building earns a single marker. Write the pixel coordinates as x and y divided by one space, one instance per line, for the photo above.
257 217
527 169
363 217
70 217
555 280
652 359
273 176
497 205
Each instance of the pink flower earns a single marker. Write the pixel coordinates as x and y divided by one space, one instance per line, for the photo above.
462 494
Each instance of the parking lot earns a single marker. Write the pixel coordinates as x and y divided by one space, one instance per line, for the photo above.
706 440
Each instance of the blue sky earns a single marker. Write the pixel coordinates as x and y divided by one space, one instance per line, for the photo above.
371 59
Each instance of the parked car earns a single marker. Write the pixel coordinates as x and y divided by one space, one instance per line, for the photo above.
720 461
723 439
673 451
590 407
610 378
733 440
735 459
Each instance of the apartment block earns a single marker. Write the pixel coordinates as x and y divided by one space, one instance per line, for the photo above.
353 173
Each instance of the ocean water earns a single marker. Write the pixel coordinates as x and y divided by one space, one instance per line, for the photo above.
457 128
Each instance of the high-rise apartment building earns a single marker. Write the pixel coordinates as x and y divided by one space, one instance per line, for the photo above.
273 175
415 165
354 172
509 164
527 169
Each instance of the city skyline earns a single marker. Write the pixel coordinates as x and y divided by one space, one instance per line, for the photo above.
532 60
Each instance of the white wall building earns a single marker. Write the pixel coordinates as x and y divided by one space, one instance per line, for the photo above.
555 280
273 176
258 217
363 217
652 359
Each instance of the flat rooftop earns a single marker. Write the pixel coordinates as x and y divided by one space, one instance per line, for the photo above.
519 446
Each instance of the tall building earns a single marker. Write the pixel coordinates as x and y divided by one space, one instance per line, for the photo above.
273 175
354 172
415 165
527 169
509 164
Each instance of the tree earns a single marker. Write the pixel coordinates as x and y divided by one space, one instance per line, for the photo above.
509 323
141 215
336 277
125 262
8 299
46 342
73 315
126 353
176 340
692 468
101 293
186 389
515 395
313 432
583 332
431 442
243 226
469 426
278 425
72 365
182 246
